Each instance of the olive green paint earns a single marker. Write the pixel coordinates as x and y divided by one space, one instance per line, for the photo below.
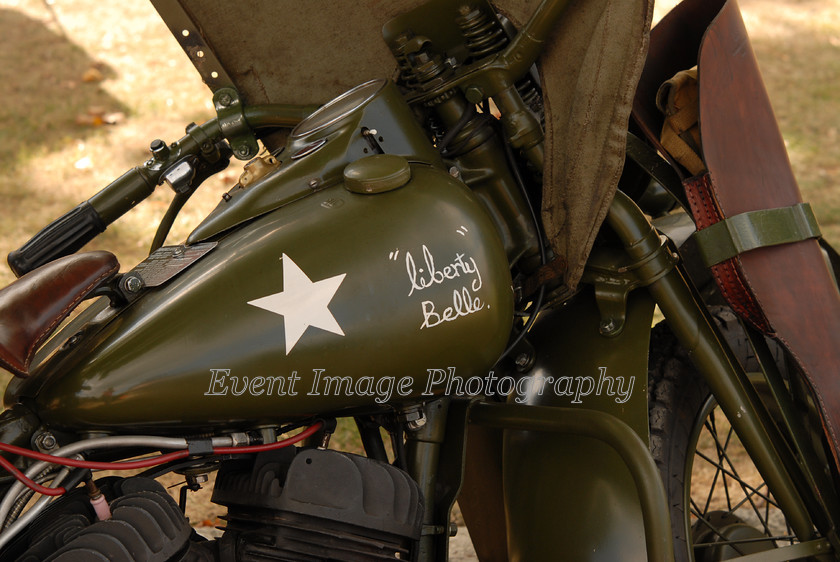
756 229
691 324
150 365
297 177
574 488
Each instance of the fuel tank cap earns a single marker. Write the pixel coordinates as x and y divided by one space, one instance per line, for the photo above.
377 174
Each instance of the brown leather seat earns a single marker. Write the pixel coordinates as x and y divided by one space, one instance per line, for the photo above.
32 307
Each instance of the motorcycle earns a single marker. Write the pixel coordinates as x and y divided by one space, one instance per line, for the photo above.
461 253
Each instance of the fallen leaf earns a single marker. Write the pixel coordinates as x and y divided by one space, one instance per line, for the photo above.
97 116
93 74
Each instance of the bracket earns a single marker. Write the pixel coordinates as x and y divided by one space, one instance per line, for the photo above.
613 280
232 122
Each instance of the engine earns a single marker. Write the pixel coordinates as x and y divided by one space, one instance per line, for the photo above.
333 506
283 505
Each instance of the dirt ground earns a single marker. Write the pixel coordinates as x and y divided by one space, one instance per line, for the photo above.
88 84
67 65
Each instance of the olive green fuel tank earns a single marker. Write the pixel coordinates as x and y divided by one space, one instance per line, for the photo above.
347 296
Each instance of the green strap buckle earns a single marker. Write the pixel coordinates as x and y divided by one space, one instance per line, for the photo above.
756 229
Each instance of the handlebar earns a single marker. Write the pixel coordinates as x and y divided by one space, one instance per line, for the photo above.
62 237
85 222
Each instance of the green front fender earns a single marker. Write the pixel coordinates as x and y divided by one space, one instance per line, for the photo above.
572 497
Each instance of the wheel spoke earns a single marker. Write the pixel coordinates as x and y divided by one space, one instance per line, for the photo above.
712 429
695 509
749 495
721 451
715 531
735 477
743 501
742 541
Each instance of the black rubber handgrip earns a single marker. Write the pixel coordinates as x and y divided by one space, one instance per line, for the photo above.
62 237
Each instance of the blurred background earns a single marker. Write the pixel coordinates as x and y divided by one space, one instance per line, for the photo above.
86 85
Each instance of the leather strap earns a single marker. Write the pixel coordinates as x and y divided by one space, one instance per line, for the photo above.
33 306
727 274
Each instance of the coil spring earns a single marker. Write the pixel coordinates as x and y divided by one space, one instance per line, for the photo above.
483 34
419 65
531 96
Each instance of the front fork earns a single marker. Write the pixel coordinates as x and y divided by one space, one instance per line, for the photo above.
806 500
690 323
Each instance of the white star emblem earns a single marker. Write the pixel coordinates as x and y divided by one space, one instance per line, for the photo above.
302 303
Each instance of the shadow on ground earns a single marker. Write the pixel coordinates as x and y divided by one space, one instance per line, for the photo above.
43 98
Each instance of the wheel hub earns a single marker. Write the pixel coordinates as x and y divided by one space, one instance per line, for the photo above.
723 536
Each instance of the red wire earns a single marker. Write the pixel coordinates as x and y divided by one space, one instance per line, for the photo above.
269 446
129 465
30 483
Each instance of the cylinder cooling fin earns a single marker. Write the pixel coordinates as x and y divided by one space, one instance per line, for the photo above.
318 505
294 505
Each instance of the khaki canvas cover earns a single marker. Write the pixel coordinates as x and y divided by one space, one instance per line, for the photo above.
309 52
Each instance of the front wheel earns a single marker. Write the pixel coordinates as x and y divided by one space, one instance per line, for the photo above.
720 505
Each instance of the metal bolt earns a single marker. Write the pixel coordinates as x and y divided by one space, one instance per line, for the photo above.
474 94
194 481
608 326
325 442
46 441
225 100
238 439
455 172
313 183
370 132
522 359
133 284
268 434
414 425
242 151
414 418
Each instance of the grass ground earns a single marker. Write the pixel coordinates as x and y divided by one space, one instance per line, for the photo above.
64 64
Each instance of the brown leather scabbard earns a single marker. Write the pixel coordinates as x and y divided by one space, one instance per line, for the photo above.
786 291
